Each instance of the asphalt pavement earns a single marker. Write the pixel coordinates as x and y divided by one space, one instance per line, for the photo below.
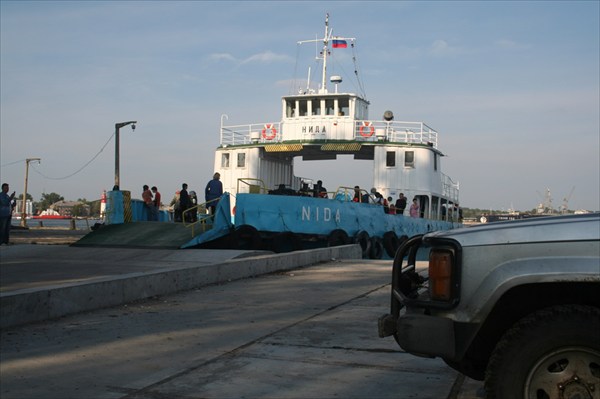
204 324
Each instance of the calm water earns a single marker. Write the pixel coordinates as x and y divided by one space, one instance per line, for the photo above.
80 224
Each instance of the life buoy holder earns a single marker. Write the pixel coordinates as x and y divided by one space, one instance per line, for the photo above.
269 132
370 131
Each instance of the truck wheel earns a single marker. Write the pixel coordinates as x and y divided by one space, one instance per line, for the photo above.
552 353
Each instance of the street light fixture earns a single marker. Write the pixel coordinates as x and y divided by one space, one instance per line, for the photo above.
117 127
24 202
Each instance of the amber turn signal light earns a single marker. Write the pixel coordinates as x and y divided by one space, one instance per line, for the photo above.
440 274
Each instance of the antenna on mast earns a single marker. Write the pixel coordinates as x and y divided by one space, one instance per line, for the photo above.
325 47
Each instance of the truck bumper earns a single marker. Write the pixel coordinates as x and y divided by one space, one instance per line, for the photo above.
424 335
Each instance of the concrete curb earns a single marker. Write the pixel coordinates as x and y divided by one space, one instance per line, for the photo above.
38 304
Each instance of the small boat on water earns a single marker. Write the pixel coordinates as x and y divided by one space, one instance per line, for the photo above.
266 206
50 214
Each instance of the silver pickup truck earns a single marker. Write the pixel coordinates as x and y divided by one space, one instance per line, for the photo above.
516 304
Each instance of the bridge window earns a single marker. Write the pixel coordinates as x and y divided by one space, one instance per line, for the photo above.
409 159
344 106
390 159
241 160
330 107
435 161
303 107
316 107
289 108
225 160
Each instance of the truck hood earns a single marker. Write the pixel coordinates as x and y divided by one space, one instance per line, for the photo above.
584 227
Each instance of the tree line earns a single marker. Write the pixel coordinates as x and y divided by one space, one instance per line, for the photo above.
80 209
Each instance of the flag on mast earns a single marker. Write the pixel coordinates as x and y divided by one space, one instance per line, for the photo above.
338 43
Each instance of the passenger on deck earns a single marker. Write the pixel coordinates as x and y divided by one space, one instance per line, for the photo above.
319 191
282 190
391 206
304 191
414 209
401 204
376 196
358 197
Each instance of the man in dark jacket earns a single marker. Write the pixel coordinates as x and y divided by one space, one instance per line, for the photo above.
401 204
184 201
212 193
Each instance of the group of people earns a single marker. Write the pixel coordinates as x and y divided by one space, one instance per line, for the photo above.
184 200
317 191
152 202
388 206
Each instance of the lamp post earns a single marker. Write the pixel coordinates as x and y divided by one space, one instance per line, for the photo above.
117 127
24 202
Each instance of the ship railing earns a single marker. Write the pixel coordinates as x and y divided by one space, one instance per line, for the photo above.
396 132
364 130
251 186
251 134
197 219
346 194
450 189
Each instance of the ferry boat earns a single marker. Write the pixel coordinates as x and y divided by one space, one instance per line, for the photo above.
256 161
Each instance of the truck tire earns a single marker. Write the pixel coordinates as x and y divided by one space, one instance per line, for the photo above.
552 353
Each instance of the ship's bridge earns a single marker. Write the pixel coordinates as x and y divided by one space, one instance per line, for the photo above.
328 118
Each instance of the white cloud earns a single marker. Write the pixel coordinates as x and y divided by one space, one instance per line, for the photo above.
221 57
511 45
267 57
441 48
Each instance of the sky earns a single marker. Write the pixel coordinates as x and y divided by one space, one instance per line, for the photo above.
513 88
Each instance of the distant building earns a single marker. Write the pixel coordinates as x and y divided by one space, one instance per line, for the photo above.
71 208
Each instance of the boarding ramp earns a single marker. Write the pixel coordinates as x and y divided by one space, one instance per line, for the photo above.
166 235
137 235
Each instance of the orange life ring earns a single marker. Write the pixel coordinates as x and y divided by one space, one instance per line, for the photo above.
370 132
273 132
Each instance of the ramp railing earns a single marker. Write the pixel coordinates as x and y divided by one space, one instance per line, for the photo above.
197 218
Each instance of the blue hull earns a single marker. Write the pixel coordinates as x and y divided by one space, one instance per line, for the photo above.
308 215
283 223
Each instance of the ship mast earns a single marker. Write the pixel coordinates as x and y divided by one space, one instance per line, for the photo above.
325 48
325 51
